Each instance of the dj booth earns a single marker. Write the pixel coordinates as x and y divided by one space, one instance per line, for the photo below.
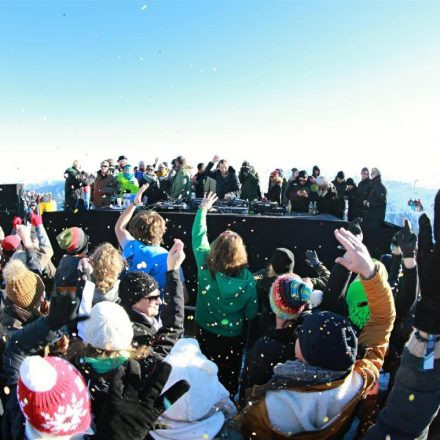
262 234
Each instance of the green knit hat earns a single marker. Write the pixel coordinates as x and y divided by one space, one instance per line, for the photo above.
357 301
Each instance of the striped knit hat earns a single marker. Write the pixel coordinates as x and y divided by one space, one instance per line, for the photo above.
53 396
73 240
289 296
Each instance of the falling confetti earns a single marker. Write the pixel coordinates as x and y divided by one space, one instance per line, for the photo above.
411 397
144 8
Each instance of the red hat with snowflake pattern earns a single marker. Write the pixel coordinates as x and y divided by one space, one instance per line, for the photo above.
53 396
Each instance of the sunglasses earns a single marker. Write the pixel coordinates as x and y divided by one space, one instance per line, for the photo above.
104 166
153 298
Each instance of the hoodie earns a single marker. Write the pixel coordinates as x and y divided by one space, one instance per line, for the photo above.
223 302
202 411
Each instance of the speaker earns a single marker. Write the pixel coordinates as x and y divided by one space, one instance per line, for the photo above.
10 196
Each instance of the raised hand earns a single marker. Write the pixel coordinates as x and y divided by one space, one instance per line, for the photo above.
407 240
138 199
428 262
208 201
312 259
215 159
356 258
176 255
63 311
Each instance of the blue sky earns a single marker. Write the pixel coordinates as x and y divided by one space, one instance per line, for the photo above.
289 83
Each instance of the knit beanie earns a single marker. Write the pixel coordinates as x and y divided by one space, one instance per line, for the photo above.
23 287
73 240
53 396
10 243
340 175
328 340
282 261
288 296
108 328
357 301
135 286
349 181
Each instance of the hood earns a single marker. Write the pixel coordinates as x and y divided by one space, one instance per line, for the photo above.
199 413
230 287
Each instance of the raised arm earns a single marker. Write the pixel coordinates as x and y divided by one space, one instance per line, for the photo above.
121 231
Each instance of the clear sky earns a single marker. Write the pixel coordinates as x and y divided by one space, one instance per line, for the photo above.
341 84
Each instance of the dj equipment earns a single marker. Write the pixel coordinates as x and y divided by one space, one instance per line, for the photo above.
224 205
268 208
170 206
225 209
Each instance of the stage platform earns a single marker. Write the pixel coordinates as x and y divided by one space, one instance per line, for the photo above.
262 235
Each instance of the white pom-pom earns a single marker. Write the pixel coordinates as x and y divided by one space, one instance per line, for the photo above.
316 298
37 374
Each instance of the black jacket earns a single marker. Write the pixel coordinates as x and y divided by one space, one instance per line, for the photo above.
226 184
329 203
363 189
160 343
377 201
299 204
199 184
353 203
274 193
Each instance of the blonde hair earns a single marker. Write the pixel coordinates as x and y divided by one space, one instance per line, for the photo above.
107 264
227 255
148 227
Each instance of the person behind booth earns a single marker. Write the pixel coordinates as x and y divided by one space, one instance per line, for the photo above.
227 185
298 193
104 187
250 183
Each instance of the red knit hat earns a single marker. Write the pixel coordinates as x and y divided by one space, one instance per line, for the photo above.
53 396
10 243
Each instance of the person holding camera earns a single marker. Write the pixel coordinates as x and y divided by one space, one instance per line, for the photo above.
250 182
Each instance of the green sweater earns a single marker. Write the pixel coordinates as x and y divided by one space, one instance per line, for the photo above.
223 302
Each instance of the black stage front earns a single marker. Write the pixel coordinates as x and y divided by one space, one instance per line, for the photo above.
261 234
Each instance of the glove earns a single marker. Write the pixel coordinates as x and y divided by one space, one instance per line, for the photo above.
132 407
407 241
36 219
16 221
355 228
428 261
312 259
63 311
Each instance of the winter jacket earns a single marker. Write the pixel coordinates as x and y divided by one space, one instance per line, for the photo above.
203 184
72 188
181 186
299 204
353 203
274 192
306 402
320 281
223 302
25 337
275 346
224 184
414 399
103 188
377 201
160 343
329 203
250 185
127 185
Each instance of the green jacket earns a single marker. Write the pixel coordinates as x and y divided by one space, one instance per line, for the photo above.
132 185
181 186
223 302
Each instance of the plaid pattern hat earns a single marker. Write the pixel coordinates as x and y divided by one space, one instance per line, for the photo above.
289 296
73 240
135 286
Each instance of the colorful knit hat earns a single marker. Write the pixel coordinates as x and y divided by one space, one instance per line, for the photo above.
23 287
288 296
53 396
73 240
135 286
10 243
357 301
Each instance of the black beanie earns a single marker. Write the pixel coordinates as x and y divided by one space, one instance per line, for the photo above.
135 286
349 181
282 261
328 340
340 175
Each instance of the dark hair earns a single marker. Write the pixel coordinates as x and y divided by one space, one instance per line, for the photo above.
223 162
303 174
364 169
181 160
340 175
200 165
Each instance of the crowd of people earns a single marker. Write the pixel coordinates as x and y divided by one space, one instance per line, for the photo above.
95 347
176 182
